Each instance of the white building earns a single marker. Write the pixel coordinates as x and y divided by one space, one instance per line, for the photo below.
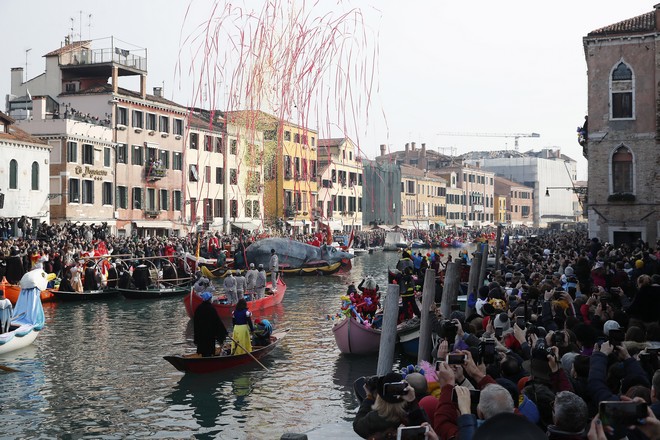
24 185
547 171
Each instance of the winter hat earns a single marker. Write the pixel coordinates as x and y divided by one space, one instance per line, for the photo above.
639 264
569 272
610 325
567 361
389 378
502 321
251 265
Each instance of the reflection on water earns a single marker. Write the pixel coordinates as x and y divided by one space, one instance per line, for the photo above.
96 371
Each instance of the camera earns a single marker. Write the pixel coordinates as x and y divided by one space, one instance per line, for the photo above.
455 359
411 432
520 321
474 397
395 389
487 351
541 351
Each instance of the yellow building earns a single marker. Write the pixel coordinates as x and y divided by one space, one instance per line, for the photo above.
500 209
423 199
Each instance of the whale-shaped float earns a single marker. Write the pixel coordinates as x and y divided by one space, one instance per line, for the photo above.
292 254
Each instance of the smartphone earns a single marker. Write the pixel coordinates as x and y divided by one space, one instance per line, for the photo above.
487 351
474 397
455 359
520 321
616 337
395 388
622 414
559 337
411 432
498 332
437 365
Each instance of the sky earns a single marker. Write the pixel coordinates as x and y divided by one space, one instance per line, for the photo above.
473 67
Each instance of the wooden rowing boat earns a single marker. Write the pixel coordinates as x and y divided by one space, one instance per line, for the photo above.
195 363
154 292
87 295
353 337
257 307
12 291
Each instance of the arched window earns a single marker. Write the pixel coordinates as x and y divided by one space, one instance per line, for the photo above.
622 170
622 85
13 174
35 176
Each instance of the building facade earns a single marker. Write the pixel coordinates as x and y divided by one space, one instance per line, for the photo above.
381 198
339 204
621 140
423 199
518 202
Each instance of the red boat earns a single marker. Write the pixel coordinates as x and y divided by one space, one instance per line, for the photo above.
353 337
257 307
194 363
13 290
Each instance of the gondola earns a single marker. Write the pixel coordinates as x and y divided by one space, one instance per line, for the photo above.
195 363
154 292
87 295
257 307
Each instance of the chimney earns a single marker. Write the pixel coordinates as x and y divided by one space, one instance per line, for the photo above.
158 91
407 147
412 146
16 80
383 148
39 107
423 154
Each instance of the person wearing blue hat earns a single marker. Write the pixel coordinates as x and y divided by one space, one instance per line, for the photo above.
208 327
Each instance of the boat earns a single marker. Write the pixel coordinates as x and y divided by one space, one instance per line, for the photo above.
394 241
313 268
87 295
408 334
195 363
257 306
12 291
373 249
21 328
353 337
360 251
418 243
154 292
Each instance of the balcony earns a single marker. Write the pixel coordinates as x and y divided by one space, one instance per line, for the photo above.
151 213
95 61
289 211
154 172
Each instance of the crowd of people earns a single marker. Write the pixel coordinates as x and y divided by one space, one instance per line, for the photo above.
561 343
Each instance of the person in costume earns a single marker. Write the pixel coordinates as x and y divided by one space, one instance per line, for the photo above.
370 298
242 320
262 331
208 327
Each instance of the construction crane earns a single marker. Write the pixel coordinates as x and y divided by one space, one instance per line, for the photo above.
515 136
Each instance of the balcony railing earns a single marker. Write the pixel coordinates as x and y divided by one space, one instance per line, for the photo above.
150 212
83 56
154 172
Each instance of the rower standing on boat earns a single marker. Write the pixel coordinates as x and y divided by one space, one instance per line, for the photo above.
208 327
274 267
251 281
260 283
242 320
230 288
241 285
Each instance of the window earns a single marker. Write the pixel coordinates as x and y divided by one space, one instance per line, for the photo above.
176 200
151 155
178 126
208 143
233 208
208 210
524 211
296 138
151 199
622 170
122 116
287 135
233 177
72 152
193 209
207 174
313 141
218 208
164 124
74 191
622 88
194 140
138 156
312 168
218 177
151 121
256 209
88 191
35 176
163 200
106 156
193 174
177 162
248 208
107 193
88 154
122 197
138 119
164 159
218 145
137 197
233 146
122 153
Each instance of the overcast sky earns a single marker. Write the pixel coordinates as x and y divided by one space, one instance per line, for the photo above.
514 66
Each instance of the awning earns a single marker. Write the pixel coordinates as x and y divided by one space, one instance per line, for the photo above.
441 223
247 225
294 223
334 225
153 224
419 224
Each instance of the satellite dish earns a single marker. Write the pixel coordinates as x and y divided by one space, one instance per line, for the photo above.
193 173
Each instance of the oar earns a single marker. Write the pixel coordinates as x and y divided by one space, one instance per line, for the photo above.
8 369
251 355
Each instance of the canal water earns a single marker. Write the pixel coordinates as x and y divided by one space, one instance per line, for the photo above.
97 371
